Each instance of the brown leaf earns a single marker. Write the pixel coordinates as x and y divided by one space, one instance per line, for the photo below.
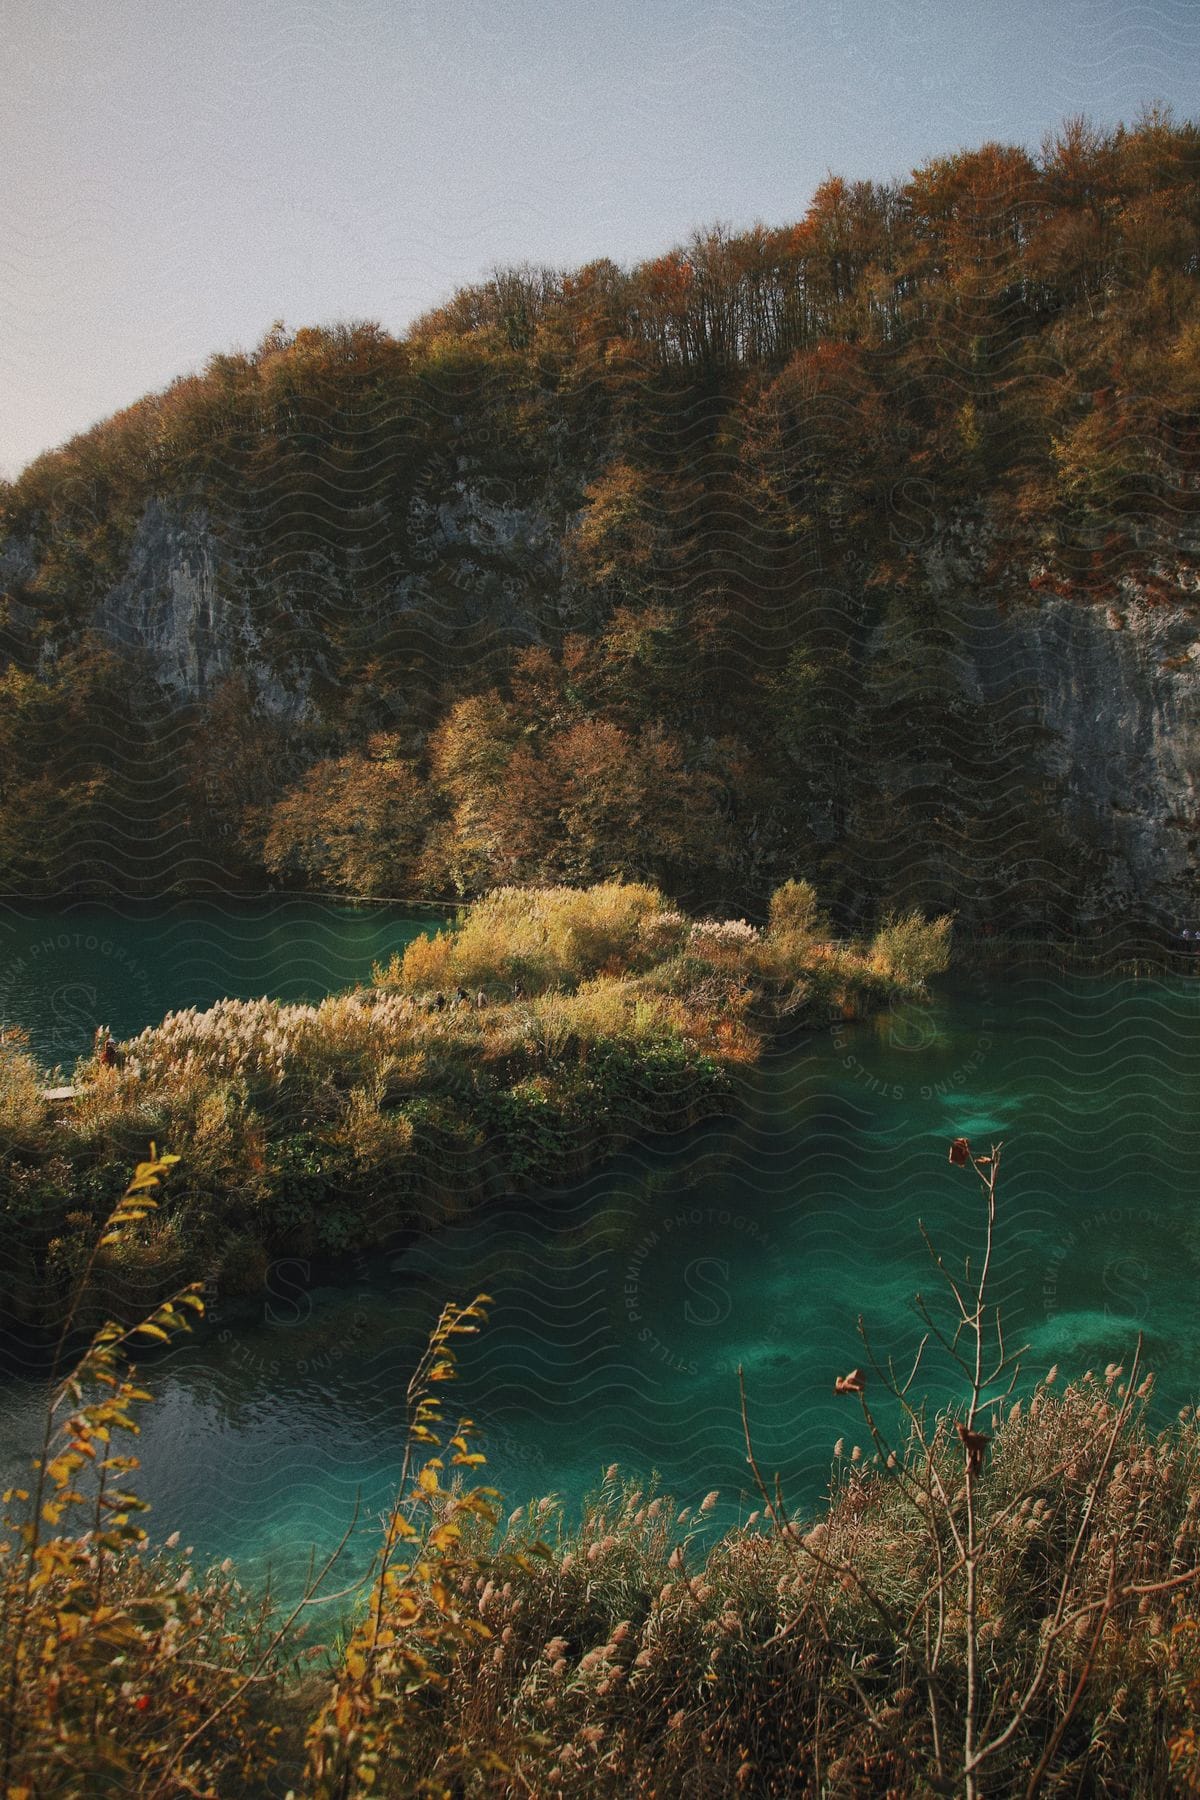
975 1444
853 1383
960 1151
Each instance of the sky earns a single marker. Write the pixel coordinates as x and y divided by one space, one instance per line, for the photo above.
175 175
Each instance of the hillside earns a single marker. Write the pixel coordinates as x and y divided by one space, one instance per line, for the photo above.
864 547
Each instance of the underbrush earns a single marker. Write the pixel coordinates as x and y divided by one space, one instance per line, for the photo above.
631 1659
123 1668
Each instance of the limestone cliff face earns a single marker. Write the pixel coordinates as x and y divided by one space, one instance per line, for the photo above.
1118 687
1112 687
176 604
195 599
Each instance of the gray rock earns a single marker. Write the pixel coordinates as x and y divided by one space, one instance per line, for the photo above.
181 604
1115 688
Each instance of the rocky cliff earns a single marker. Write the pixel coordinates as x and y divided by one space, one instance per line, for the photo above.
178 603
1106 691
199 603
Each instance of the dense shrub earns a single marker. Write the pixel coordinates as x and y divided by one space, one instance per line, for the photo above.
22 1109
912 948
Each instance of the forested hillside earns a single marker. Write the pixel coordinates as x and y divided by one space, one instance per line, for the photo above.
864 548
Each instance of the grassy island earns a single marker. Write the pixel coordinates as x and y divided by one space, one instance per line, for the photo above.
547 1028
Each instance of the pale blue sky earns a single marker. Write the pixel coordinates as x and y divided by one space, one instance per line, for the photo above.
175 174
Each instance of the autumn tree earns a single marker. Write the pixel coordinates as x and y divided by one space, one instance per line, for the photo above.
355 822
629 806
618 547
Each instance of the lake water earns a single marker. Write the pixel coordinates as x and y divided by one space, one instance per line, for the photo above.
64 973
623 1307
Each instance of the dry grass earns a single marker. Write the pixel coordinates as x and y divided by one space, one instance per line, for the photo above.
22 1109
633 1659
535 938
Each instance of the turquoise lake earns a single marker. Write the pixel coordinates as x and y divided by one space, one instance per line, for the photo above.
63 973
624 1306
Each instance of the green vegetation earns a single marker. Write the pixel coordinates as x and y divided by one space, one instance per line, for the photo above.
655 574
1004 1610
353 1123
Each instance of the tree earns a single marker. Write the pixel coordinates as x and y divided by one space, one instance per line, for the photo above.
356 822
617 547
237 763
628 805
